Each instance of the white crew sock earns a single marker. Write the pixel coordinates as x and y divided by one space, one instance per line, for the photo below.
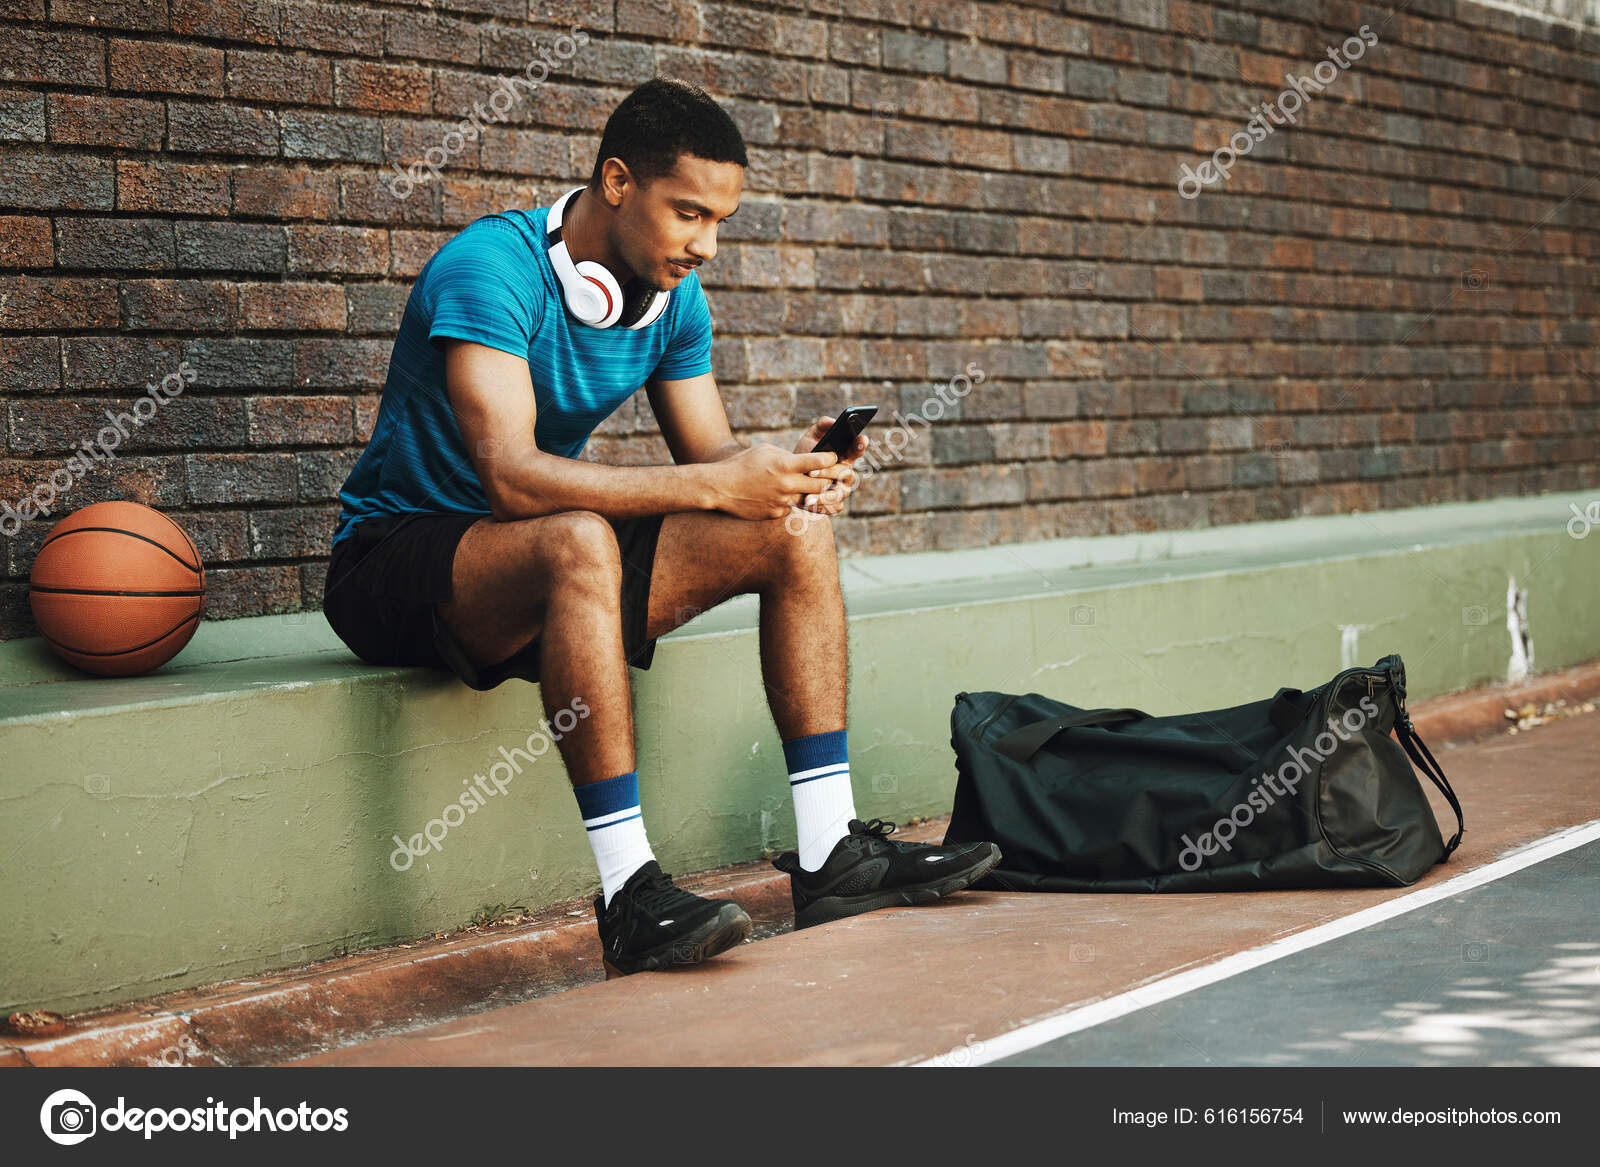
615 825
819 777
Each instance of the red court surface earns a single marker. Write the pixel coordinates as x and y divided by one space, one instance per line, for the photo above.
948 980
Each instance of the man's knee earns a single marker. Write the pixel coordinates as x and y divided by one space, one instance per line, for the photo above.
579 548
800 542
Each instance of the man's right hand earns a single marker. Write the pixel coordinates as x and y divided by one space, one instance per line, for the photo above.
765 481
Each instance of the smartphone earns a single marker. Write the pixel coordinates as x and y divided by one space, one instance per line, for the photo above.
841 436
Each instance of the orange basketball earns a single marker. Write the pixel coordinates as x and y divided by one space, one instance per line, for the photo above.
117 588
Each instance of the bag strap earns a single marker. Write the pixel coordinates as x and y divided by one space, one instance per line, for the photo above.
1021 744
1412 741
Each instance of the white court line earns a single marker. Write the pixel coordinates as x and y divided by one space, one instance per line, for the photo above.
1048 1029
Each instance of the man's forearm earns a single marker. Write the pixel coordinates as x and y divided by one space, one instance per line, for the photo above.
547 483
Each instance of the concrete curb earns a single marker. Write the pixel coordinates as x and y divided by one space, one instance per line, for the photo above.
298 1012
1458 719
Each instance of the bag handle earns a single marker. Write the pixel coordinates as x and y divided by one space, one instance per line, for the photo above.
1285 712
1408 735
1412 742
1021 744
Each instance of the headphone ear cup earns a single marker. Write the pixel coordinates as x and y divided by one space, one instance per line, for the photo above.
651 307
600 288
641 303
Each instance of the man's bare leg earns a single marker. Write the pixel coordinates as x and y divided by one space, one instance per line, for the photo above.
791 563
559 575
703 559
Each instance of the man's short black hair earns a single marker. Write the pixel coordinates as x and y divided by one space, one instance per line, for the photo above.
662 119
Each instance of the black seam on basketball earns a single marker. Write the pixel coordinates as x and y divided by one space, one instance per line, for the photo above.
108 592
124 651
190 542
131 535
174 524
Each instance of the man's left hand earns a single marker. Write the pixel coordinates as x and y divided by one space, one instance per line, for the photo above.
838 480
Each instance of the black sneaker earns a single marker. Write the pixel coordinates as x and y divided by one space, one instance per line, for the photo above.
651 923
865 871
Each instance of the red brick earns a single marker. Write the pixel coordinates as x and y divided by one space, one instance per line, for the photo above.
349 250
231 20
172 188
35 304
177 305
299 421
335 27
25 241
278 193
30 364
278 76
391 88
53 57
413 249
106 121
662 19
156 67
294 307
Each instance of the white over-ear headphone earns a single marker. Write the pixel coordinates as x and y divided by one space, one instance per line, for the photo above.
591 291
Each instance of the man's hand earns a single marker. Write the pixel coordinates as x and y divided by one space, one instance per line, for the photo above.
763 482
839 479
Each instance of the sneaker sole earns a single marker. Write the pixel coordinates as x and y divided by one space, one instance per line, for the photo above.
727 928
839 907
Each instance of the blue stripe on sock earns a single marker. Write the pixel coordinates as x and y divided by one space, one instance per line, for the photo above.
819 749
629 819
793 782
608 796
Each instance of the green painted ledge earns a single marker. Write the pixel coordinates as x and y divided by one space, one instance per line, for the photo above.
235 811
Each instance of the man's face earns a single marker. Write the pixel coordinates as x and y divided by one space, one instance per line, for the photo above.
668 227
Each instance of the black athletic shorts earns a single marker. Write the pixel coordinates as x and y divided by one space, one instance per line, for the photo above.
386 579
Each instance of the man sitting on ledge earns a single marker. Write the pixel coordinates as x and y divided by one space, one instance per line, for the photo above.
473 537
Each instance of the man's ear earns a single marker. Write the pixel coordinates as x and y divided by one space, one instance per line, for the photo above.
615 182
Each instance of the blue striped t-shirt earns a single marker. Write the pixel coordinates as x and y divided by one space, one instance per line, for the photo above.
492 283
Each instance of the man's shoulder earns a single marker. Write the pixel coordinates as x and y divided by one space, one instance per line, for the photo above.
510 235
500 244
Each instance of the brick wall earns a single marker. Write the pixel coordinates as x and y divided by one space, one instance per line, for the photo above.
1391 302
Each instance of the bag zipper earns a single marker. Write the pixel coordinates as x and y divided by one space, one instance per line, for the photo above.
1324 700
977 734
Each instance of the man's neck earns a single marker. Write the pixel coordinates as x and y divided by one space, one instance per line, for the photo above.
583 226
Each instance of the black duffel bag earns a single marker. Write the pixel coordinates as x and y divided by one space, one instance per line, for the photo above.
1303 789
